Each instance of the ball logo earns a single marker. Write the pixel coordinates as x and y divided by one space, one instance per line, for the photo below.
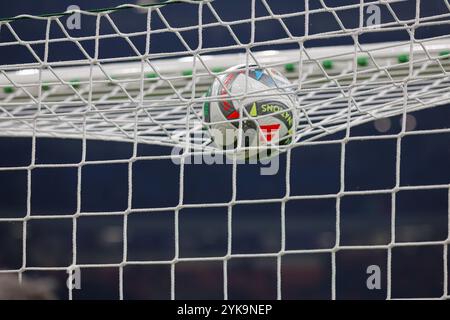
269 131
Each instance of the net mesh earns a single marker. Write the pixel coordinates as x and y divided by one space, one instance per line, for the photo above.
151 96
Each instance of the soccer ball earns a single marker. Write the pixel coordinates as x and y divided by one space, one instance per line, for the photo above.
251 109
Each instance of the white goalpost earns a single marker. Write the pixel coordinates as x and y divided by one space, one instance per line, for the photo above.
156 99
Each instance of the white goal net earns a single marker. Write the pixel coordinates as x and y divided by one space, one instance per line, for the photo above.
92 189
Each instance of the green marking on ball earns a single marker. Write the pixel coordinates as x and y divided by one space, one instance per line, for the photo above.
289 67
362 61
206 109
217 69
45 87
403 58
327 64
8 90
112 81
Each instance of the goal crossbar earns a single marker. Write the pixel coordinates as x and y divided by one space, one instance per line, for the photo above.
152 102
